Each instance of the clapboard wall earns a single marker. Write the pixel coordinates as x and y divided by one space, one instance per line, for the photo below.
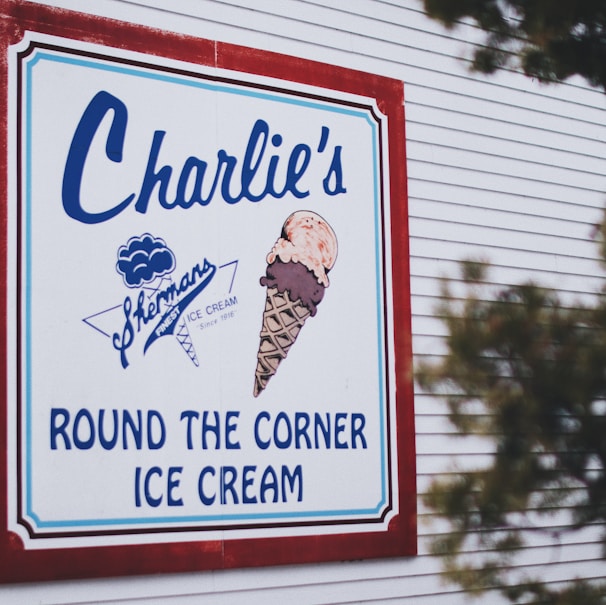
503 169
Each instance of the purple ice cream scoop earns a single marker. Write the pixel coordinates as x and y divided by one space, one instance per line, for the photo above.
300 282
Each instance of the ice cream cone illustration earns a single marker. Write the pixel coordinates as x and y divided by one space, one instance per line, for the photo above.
296 279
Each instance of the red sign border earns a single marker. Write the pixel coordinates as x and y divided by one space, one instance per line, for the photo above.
400 539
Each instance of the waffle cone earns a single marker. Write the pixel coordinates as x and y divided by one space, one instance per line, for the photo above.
184 339
282 322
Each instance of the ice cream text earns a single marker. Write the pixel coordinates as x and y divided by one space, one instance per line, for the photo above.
207 430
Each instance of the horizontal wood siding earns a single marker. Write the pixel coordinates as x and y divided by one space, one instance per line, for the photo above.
503 169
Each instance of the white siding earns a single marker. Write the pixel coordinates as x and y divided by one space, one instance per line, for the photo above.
501 168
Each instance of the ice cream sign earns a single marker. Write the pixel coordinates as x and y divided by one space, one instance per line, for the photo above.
207 330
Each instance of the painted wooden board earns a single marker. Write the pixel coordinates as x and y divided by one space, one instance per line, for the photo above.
208 305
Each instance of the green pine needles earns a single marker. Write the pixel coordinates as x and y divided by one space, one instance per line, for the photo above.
528 374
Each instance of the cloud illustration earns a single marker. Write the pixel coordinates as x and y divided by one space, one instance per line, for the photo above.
144 259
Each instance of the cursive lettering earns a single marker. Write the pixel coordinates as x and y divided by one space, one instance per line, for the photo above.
170 302
253 177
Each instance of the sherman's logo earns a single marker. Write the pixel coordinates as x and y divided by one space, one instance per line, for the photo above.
145 261
157 304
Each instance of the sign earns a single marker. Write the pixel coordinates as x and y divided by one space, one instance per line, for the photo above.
208 345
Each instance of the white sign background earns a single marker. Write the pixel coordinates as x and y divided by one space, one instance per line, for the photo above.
71 304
